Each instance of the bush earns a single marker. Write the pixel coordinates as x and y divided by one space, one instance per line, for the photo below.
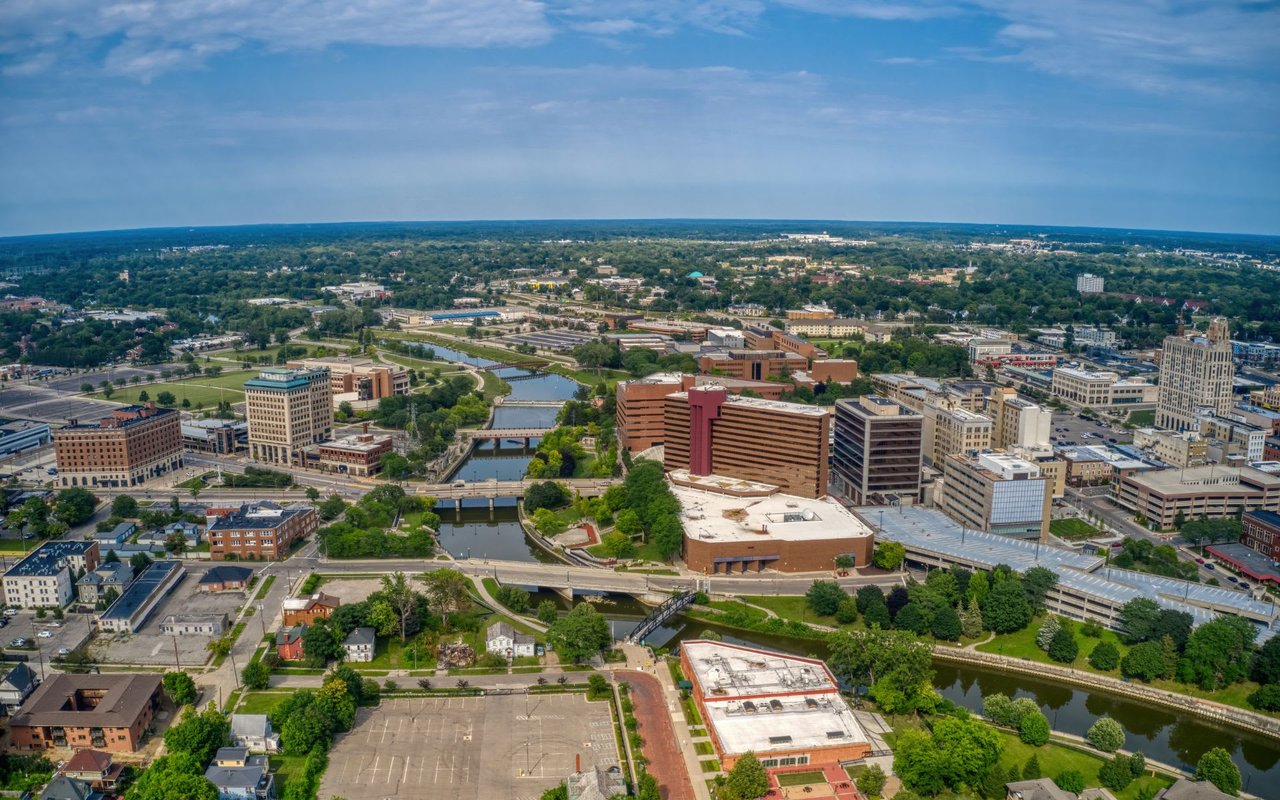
597 687
1064 648
1146 662
1266 698
1117 773
1070 781
1034 729
514 598
872 780
1106 735
1105 656
847 611
1032 770
824 597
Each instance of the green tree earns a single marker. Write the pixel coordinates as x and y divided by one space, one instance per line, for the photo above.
1070 781
74 505
1105 656
139 562
960 751
383 618
124 506
547 612
1064 647
911 618
256 676
872 780
580 634
515 598
1266 698
398 594
1037 582
1034 729
177 776
1266 665
1218 653
1106 735
844 561
448 591
895 664
1048 629
331 508
824 597
1144 661
1005 609
847 611
313 494
1138 619
1117 773
1032 770
166 399
946 625
199 734
1216 767
617 544
548 494
319 645
747 779
180 688
888 555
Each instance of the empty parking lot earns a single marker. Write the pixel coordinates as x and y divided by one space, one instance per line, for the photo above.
468 748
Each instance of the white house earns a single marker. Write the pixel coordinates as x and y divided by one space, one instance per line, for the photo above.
253 732
506 641
359 644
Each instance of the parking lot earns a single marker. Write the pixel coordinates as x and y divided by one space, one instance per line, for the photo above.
24 625
1070 428
433 747
150 646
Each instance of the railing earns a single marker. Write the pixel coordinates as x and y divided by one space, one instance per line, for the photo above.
661 614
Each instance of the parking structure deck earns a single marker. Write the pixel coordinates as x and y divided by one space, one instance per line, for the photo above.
469 748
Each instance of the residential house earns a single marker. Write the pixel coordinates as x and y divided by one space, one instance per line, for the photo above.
1187 789
506 641
239 776
117 535
17 686
1038 789
360 644
306 610
158 539
253 732
64 788
289 642
94 586
93 767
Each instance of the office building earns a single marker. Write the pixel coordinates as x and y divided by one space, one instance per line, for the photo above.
1100 464
763 337
1090 284
1019 423
1185 449
1196 373
17 435
785 709
221 436
1260 531
359 455
1101 388
358 380
45 577
811 311
709 431
981 349
1230 439
641 403
1215 492
108 711
877 454
132 446
1080 336
287 410
997 493
754 365
953 430
262 531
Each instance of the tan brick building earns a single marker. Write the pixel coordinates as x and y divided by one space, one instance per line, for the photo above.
359 379
360 454
287 410
948 431
1195 372
641 403
132 446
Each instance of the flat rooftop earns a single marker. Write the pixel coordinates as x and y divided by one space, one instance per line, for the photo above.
1096 452
1250 561
1192 479
765 405
261 516
763 702
712 516
140 591
48 559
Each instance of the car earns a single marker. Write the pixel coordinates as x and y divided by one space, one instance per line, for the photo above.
4 621
1233 579
64 651
18 643
1112 440
45 634
11 612
1199 560
1209 565
1244 586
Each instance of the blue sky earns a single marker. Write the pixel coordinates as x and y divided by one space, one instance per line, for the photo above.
1121 113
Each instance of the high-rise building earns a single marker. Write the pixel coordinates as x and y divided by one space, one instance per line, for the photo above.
641 403
953 430
287 409
1089 284
1019 423
133 445
709 431
877 450
997 493
359 380
1195 373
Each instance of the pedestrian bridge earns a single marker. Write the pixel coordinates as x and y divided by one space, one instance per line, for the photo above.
503 433
491 490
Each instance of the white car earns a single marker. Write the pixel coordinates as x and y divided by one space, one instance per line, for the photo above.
11 612
46 634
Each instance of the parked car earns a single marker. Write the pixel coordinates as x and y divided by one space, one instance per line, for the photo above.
1199 560
18 643
1233 579
64 651
45 634
11 612
1209 565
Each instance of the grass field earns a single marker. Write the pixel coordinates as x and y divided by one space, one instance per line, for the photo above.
200 389
260 702
16 545
801 778
1072 528
791 608
1142 419
1056 759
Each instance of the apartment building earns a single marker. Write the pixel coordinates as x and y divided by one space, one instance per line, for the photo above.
709 431
1019 423
45 578
953 430
1196 372
1090 284
358 379
997 493
641 403
133 445
1185 449
811 311
768 338
1260 530
1214 491
109 711
878 450
287 410
1100 388
360 454
262 531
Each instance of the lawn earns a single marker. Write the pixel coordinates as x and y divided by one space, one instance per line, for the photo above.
199 390
1142 419
389 654
1056 759
16 545
286 768
791 608
260 702
704 748
1072 528
801 778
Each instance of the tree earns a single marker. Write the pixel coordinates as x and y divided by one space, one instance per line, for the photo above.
319 645
747 779
1138 619
628 522
1032 770
1037 582
947 625
617 544
177 776
124 506
332 508
867 595
400 596
256 676
383 617
824 597
180 688
139 562
844 561
1070 781
74 505
1266 665
1106 735
959 751
166 399
1216 767
1218 653
87 388
515 598
580 634
847 611
979 587
895 664
448 591
547 494
877 616
1048 629
1117 773
143 396
1145 661
889 555
547 612
1006 609
1034 729
1266 697
911 618
1064 647
313 494
199 734
872 780
1105 656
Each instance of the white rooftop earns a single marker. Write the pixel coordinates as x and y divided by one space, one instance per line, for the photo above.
1089 374
716 517
771 405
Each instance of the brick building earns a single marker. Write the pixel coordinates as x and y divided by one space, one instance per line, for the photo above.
133 445
756 365
108 712
306 610
360 454
641 403
359 379
1261 532
262 530
287 410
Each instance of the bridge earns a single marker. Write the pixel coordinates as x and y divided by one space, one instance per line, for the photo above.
532 363
504 433
490 490
529 403
660 615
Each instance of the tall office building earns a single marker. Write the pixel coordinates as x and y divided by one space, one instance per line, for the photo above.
1019 423
709 431
1195 373
641 403
877 450
953 430
287 410
997 493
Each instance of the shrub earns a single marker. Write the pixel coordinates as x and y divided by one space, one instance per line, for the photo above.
1034 729
1106 735
871 782
1266 698
1070 781
1064 648
1105 656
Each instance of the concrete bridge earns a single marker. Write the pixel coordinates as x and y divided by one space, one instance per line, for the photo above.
530 403
504 433
491 490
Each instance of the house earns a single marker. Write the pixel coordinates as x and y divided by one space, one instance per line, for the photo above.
306 610
93 586
17 686
225 579
289 642
64 788
1038 789
1187 789
116 535
239 776
158 539
506 641
93 767
359 644
253 732
596 784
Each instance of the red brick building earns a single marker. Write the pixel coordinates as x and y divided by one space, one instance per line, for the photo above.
289 642
306 610
259 531
354 455
108 712
1260 530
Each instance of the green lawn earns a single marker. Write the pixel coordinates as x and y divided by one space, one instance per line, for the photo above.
1056 759
710 766
801 778
791 608
17 545
286 768
260 702
199 389
1072 528
389 654
704 748
1142 419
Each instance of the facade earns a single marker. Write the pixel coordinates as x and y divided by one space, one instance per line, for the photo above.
708 431
786 709
1232 438
1195 373
811 311
289 642
1019 423
1215 492
1090 284
44 578
997 493
953 430
834 370
194 625
132 446
1260 530
359 455
359 645
110 712
253 732
503 640
17 435
130 610
287 410
262 531
754 365
878 448
358 379
306 610
1185 449
735 526
94 768
641 403
1101 389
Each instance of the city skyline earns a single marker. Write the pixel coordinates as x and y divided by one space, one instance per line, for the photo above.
1085 114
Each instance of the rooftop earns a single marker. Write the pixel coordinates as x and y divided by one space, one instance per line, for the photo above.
1248 560
1088 374
66 699
359 442
1097 452
225 574
1173 481
125 417
716 517
259 516
48 559
776 406
134 597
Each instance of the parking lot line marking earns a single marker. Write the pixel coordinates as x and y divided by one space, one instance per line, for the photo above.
404 778
391 767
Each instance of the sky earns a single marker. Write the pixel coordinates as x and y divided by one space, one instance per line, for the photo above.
1157 114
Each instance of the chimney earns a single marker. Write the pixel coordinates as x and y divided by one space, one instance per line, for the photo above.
364 428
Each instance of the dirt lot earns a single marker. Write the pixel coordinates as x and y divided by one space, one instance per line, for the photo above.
150 646
468 748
